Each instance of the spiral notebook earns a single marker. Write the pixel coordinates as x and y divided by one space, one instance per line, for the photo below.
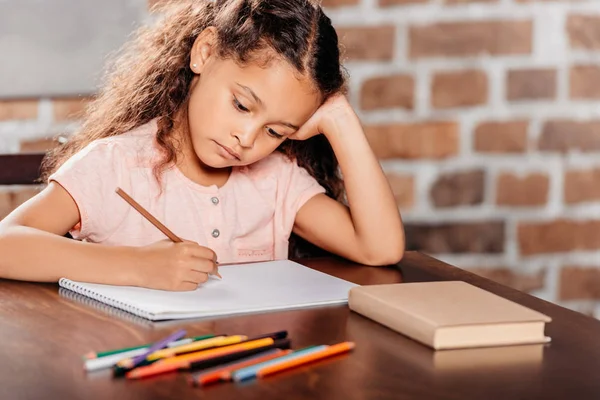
110 311
245 288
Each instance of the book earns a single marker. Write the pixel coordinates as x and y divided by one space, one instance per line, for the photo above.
245 288
449 314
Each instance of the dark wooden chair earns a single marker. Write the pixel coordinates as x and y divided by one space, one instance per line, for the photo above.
20 169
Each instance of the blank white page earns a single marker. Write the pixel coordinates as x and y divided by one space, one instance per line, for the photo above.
245 288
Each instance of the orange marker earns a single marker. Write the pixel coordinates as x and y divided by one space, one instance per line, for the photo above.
222 373
154 369
295 362
184 361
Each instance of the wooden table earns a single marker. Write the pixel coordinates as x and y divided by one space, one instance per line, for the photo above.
43 334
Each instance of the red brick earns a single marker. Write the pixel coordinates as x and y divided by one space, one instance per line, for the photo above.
531 84
479 237
558 236
566 135
579 283
460 39
69 108
374 43
585 82
501 137
458 189
582 186
403 187
584 31
511 278
420 140
38 145
388 92
18 109
529 190
459 89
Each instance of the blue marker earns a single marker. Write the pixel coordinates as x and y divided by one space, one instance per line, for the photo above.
243 374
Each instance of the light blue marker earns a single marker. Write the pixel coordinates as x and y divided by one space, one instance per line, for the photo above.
243 374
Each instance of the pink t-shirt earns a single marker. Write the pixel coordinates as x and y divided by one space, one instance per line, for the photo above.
250 218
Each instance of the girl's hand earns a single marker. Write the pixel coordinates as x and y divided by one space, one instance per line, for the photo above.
334 114
174 266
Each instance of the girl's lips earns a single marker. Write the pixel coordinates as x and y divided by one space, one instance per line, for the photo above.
229 152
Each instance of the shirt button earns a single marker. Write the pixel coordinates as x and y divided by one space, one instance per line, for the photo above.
215 233
215 200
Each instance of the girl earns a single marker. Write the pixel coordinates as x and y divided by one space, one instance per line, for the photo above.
226 121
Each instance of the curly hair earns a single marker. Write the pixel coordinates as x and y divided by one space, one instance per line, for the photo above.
150 77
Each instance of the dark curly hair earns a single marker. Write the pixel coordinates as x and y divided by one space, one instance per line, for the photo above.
150 77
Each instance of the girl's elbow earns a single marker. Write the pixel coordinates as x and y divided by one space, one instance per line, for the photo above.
390 256
396 256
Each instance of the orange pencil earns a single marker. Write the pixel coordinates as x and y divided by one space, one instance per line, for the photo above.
184 361
295 362
221 373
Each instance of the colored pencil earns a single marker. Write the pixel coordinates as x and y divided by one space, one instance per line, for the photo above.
217 341
250 372
96 364
216 374
196 346
91 355
283 365
274 335
283 344
129 363
184 361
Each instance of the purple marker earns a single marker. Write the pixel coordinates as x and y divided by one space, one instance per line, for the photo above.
161 344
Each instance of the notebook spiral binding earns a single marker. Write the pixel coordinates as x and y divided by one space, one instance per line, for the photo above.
111 306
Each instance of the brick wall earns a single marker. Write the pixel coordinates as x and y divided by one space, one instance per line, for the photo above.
485 115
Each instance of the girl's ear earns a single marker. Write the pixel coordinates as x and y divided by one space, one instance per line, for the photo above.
203 49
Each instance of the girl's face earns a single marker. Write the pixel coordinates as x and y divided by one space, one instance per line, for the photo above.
238 115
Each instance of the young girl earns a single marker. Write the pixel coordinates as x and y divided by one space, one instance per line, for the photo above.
226 121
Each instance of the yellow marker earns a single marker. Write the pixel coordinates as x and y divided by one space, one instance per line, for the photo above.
196 346
204 354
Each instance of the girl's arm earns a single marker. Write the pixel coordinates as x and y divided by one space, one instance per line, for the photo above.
370 230
33 248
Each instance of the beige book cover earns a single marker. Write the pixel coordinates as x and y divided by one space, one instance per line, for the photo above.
449 314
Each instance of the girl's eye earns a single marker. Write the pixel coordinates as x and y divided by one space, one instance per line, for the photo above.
239 105
274 134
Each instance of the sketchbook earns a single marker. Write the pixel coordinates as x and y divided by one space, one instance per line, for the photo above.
245 288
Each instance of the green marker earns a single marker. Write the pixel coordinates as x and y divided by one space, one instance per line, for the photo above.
93 355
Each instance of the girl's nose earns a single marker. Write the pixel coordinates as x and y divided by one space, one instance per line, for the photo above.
246 137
